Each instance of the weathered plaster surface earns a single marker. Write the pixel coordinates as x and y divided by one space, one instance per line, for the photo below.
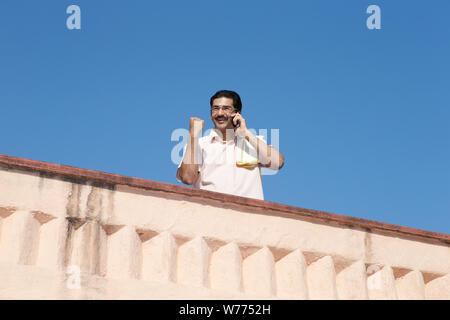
132 239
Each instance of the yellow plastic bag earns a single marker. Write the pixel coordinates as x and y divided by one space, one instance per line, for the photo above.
247 156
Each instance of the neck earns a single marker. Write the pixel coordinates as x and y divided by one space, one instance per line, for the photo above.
225 136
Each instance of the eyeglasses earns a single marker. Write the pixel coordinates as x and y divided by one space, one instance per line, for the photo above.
227 109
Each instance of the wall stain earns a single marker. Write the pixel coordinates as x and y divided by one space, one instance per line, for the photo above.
88 228
94 203
367 245
73 201
110 208
68 244
41 182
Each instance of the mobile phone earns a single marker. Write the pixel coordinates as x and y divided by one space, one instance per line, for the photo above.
237 124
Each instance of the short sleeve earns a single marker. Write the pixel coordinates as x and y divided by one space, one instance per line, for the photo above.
199 157
263 139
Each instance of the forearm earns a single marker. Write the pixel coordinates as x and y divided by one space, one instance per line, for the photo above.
269 156
189 167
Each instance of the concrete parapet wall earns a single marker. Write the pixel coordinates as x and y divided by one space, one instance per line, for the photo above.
70 233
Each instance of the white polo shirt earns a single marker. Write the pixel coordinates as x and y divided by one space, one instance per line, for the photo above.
218 170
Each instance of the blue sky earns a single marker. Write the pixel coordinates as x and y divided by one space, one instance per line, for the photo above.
363 114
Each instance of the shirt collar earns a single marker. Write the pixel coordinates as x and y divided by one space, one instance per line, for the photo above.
215 135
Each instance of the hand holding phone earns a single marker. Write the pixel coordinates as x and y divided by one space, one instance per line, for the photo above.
237 123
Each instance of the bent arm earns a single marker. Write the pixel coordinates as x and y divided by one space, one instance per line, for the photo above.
188 171
270 157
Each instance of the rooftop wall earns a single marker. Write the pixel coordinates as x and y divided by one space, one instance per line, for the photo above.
71 233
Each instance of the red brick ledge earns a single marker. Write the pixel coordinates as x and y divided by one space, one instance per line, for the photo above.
115 179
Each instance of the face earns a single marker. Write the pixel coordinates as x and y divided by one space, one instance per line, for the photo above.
221 118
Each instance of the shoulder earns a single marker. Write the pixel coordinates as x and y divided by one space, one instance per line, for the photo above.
204 142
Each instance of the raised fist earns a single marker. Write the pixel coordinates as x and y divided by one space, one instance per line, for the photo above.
196 126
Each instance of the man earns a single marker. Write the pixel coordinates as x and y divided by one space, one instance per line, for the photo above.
230 158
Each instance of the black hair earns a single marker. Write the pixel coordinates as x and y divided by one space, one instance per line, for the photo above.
237 104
